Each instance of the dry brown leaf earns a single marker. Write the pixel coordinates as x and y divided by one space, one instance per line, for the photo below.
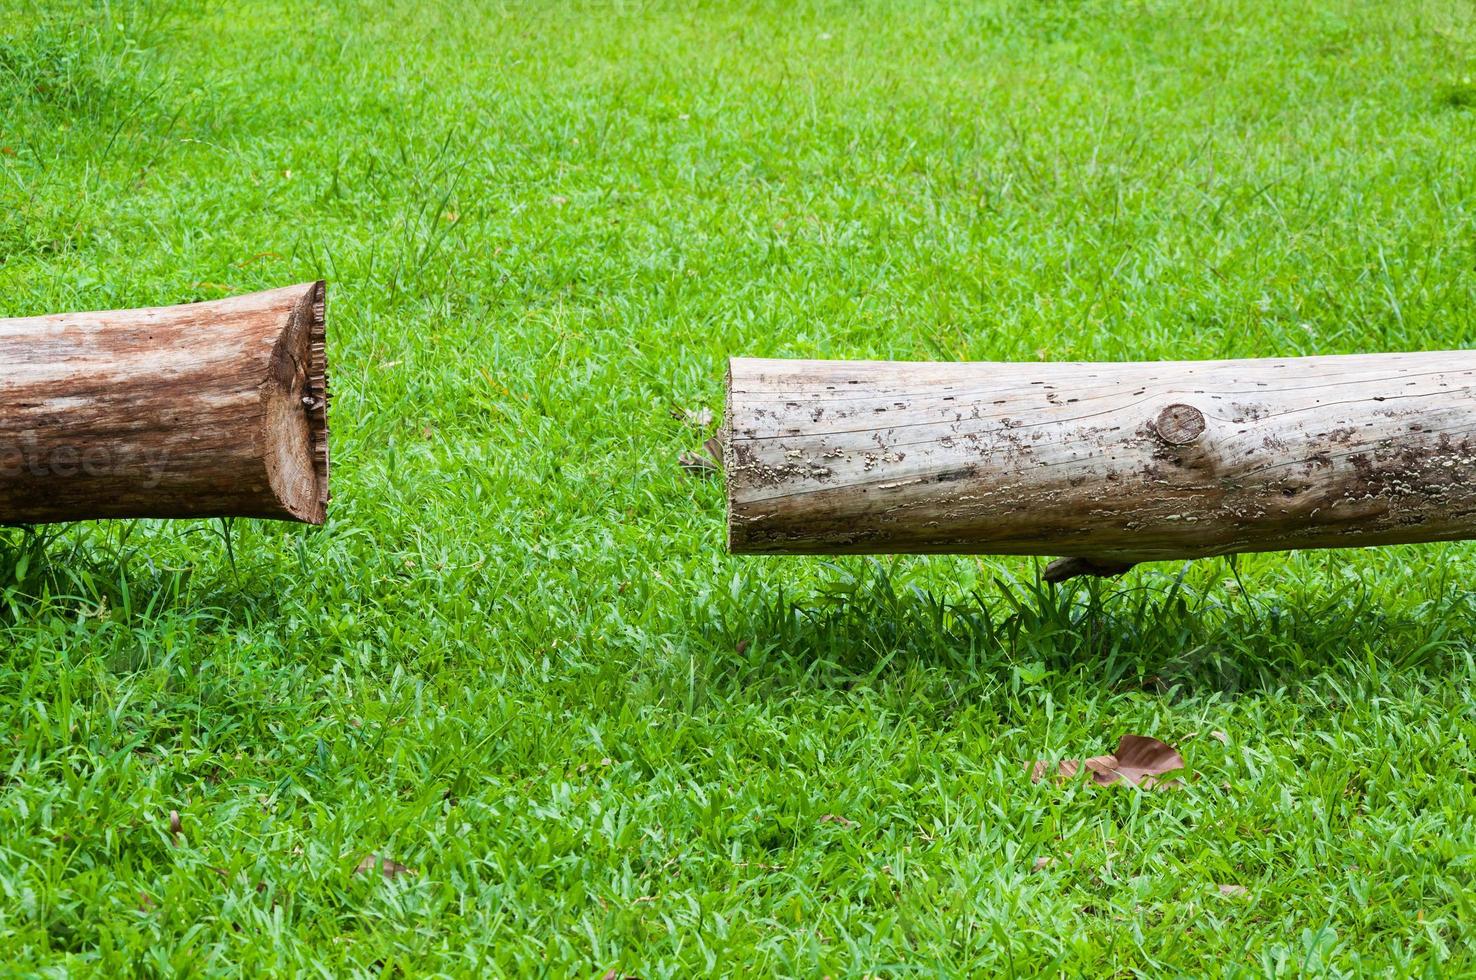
695 465
617 975
176 827
1139 760
1233 891
837 818
389 867
714 449
1042 862
1220 737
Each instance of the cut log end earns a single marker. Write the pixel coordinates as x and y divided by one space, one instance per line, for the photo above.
725 438
296 414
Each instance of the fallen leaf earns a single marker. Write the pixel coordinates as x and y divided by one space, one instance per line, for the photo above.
1139 760
714 449
617 975
176 827
389 867
741 648
146 903
837 818
694 465
1043 862
1233 891
1220 737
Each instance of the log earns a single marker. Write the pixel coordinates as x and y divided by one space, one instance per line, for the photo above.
1106 464
215 409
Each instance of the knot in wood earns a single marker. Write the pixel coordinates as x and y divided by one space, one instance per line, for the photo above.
1179 424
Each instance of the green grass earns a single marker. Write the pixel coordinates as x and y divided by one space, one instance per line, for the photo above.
517 658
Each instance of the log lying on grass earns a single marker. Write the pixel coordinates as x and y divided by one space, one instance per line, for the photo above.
1108 464
205 410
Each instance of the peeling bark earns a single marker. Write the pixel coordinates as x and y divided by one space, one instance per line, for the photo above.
213 409
1108 464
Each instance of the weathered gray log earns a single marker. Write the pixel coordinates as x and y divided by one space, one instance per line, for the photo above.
212 409
1109 464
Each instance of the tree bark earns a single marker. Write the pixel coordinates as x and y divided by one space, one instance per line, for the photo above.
205 410
1108 464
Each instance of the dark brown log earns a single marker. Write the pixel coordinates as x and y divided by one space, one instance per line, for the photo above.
1107 464
215 409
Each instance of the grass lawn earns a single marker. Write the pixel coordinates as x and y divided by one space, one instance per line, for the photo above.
517 659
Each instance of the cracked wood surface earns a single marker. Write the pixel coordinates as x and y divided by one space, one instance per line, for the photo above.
203 410
1108 463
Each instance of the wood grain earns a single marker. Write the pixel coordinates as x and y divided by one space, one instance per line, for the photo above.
1108 464
203 410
